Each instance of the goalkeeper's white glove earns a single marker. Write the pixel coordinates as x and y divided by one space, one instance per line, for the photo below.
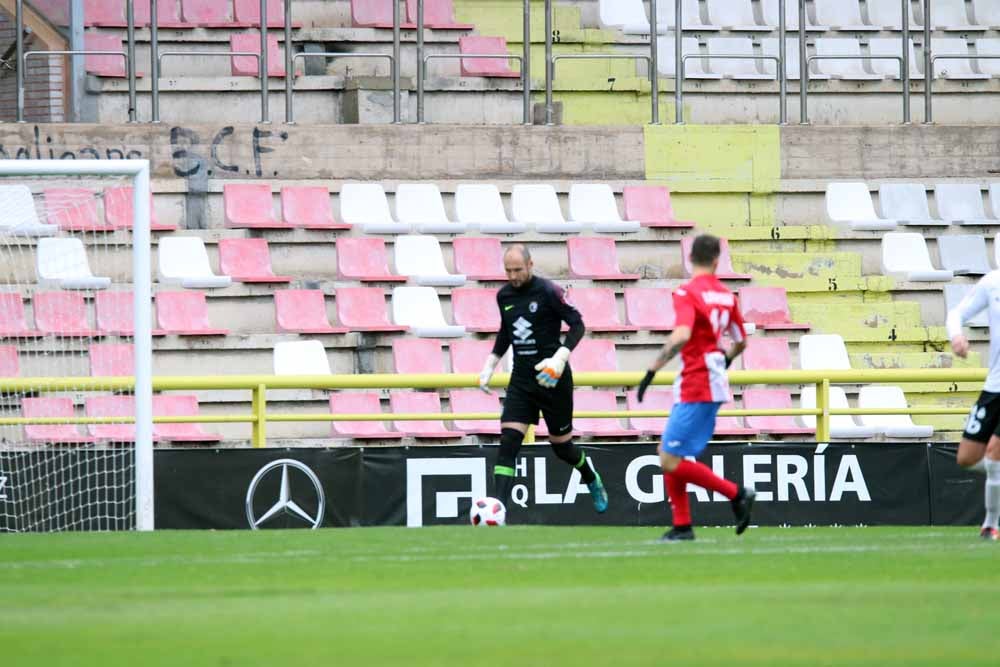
487 372
551 369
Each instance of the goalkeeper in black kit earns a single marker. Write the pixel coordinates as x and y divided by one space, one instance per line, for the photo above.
532 310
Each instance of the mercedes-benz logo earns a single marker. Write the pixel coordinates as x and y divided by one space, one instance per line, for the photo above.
285 503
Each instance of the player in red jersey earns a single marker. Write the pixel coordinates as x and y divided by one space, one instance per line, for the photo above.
705 311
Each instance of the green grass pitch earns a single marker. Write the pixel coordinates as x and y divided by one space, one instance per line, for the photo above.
515 596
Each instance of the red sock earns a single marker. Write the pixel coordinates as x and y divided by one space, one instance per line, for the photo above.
702 475
680 504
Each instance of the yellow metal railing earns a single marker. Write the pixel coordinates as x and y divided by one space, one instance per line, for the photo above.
260 384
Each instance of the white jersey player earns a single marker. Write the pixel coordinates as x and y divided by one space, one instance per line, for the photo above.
980 445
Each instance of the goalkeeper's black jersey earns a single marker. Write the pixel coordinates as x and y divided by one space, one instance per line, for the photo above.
530 320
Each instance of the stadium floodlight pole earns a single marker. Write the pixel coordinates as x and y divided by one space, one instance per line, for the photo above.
130 48
395 60
904 76
19 47
154 61
654 65
678 63
526 63
928 65
262 66
289 63
782 67
420 61
803 66
548 62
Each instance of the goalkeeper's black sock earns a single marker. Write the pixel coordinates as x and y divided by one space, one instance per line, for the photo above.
503 482
573 455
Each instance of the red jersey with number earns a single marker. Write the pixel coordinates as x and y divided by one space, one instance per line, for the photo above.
706 306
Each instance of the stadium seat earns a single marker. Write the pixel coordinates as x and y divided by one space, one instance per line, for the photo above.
247 13
694 68
112 359
479 258
649 308
364 259
249 206
596 259
9 366
841 426
725 270
411 402
438 14
651 206
247 261
892 426
772 399
890 46
655 399
852 203
119 210
62 314
105 13
419 309
376 14
179 405
208 13
308 206
20 217
953 295
771 16
841 15
733 425
420 206
888 15
962 204
823 352
489 67
471 401
51 406
420 259
106 65
364 205
603 401
850 70
538 205
111 406
629 16
907 204
767 308
734 68
951 16
593 205
114 312
185 314
300 357
793 68
168 14
736 15
417 355
111 14
987 13
363 309
989 47
359 403
594 355
183 260
905 254
964 254
467 355
13 323
74 210
995 199
475 308
666 16
958 68
303 311
598 308
767 354
479 206
62 262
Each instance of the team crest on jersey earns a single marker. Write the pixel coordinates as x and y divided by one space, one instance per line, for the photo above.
533 307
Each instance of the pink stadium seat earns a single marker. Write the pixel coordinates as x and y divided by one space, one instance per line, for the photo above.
112 359
478 258
767 307
105 13
598 400
655 399
111 406
593 355
363 309
208 13
417 355
119 210
74 209
365 259
438 14
51 406
376 14
649 308
104 65
483 45
62 314
780 399
596 259
358 403
725 271
308 206
598 307
409 402
115 313
303 311
767 354
247 13
12 320
9 366
179 405
249 206
468 356
248 261
473 400
185 314
111 13
732 425
475 308
250 43
651 205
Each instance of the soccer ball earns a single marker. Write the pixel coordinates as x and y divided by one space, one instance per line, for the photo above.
487 512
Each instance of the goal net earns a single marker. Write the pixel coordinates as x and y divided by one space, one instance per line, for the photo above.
75 346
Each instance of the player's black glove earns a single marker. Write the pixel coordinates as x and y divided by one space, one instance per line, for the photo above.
729 361
644 385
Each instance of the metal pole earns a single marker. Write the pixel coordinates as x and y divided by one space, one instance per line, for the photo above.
803 67
420 61
905 74
548 62
154 61
782 66
78 73
928 69
526 63
265 117
130 49
395 61
19 41
289 64
678 63
654 64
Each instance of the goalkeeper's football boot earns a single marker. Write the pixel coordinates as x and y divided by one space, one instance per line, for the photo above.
598 494
742 504
682 534
991 534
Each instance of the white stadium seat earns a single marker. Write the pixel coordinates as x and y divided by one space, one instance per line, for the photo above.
963 254
890 46
479 206
419 309
734 68
300 357
691 16
962 204
905 254
694 68
841 426
841 15
538 205
771 16
823 352
421 260
995 199
62 262
734 15
951 15
420 206
851 70
593 204
892 426
852 203
989 46
19 216
769 47
364 205
953 295
953 68
629 16
907 203
888 14
183 260
987 13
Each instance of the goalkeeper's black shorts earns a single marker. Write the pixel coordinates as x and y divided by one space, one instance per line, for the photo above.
526 398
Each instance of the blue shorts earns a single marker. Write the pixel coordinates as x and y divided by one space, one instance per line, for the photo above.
689 428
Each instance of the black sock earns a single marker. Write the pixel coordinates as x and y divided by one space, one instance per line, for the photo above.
503 483
573 455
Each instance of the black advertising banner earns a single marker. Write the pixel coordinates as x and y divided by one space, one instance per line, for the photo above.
956 494
797 484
